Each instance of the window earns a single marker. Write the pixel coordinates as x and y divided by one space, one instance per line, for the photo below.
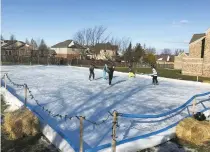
202 48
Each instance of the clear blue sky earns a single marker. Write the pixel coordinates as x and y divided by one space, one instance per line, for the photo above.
158 23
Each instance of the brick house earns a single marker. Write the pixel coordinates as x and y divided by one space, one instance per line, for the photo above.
15 51
164 59
198 61
69 49
105 51
15 48
178 60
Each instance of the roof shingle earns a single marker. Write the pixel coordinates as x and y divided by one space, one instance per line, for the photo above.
65 44
196 37
104 46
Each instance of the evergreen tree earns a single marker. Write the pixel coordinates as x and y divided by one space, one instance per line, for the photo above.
12 37
43 49
128 53
138 52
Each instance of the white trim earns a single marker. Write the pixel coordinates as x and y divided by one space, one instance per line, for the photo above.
71 44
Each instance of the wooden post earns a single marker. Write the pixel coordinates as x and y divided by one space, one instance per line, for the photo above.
114 132
25 89
197 78
5 81
194 107
81 134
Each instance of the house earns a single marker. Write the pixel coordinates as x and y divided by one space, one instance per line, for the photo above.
15 48
198 61
105 51
178 60
69 49
164 58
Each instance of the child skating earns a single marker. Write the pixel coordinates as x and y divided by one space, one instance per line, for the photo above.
131 73
105 69
154 76
92 74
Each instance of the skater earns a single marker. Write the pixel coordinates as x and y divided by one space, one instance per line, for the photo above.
130 72
104 71
154 76
92 74
111 71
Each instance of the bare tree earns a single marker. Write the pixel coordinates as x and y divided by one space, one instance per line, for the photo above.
91 36
27 42
122 43
2 38
166 52
150 50
178 51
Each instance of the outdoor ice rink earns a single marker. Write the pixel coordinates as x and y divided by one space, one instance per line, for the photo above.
66 90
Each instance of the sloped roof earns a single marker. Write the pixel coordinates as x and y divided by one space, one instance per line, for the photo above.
11 44
164 57
197 36
65 44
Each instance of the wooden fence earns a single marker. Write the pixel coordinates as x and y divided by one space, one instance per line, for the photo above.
13 60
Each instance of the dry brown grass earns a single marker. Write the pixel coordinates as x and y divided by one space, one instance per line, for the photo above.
193 131
20 123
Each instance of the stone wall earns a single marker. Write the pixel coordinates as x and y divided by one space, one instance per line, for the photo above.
206 66
61 55
195 49
192 66
207 48
178 62
206 70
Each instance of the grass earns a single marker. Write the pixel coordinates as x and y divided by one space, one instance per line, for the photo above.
167 73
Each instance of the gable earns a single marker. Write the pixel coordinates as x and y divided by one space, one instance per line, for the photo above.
63 44
68 44
196 37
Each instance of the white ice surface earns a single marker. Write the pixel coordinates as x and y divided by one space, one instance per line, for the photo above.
67 90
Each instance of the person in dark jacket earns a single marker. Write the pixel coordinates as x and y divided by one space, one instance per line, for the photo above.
111 72
92 74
